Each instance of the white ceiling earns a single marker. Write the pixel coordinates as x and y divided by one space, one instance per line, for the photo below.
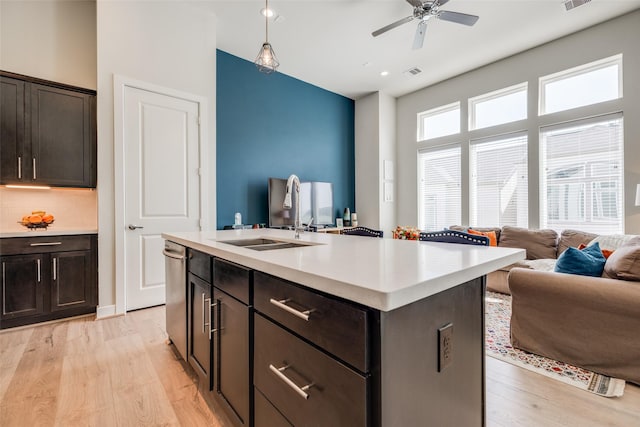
327 43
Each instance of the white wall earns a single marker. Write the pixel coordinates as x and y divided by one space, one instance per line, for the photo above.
620 35
374 144
169 44
51 40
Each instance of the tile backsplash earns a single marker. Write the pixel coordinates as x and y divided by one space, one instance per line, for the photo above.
73 208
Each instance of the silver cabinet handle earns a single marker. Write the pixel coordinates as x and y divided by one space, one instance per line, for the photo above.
211 317
34 169
19 167
172 255
55 269
134 227
45 244
300 390
203 311
38 264
282 304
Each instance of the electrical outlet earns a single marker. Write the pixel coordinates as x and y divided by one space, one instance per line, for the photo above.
445 346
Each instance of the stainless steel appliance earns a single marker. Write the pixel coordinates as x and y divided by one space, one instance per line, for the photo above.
176 295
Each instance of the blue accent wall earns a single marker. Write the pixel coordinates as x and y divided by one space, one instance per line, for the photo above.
273 126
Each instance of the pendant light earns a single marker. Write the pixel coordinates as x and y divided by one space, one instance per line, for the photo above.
266 61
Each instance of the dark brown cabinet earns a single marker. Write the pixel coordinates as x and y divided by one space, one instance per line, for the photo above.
48 133
12 129
22 288
233 331
199 325
46 278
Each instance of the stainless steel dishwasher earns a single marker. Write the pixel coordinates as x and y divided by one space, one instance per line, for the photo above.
176 295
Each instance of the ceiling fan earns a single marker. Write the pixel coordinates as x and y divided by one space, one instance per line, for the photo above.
423 11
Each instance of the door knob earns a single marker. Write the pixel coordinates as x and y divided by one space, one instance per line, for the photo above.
133 226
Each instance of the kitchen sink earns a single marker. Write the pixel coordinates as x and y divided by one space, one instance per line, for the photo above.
265 244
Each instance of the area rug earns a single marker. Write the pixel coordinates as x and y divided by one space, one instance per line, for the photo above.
498 346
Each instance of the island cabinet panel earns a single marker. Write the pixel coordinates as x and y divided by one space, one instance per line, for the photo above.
49 277
338 326
306 385
231 358
199 326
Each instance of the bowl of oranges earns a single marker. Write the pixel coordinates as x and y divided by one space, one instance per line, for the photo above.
37 219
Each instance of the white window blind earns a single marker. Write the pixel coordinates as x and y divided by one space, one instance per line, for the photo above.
441 121
499 181
439 203
582 175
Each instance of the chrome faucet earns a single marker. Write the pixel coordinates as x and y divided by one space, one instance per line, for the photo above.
293 179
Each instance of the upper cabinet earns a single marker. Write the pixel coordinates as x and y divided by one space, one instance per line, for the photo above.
48 133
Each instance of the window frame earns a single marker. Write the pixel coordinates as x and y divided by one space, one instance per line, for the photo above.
577 71
457 105
510 90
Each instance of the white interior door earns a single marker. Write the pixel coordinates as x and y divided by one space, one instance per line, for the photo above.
161 185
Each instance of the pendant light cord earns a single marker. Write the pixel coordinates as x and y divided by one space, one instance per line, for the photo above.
266 21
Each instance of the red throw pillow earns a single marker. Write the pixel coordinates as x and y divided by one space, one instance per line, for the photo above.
493 240
606 252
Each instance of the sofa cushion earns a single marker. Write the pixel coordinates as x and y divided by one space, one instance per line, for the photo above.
573 239
624 263
543 264
586 262
614 241
538 243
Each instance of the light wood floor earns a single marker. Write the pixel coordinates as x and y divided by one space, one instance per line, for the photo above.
121 372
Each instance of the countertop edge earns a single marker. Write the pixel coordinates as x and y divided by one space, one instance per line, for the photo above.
377 299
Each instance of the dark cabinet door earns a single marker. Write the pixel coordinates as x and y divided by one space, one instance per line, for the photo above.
62 137
231 354
200 328
12 131
22 286
72 280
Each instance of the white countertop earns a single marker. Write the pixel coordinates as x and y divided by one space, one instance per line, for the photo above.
381 273
41 232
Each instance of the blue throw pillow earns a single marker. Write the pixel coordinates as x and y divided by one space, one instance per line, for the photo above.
586 262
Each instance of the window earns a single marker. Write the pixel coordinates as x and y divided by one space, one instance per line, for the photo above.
441 121
495 108
499 181
440 198
582 175
585 85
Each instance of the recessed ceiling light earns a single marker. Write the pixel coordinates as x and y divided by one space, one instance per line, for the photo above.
266 12
384 73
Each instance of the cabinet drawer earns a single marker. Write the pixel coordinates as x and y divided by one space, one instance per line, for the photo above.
337 326
284 364
200 264
45 244
266 415
232 278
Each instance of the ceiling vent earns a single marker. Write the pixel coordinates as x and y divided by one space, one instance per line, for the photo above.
413 71
571 4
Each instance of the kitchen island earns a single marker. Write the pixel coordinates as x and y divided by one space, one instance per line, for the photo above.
340 330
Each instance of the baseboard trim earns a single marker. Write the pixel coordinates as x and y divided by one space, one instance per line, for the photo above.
105 311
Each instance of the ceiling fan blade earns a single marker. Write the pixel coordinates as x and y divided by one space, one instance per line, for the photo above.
442 2
391 26
418 40
415 3
458 18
